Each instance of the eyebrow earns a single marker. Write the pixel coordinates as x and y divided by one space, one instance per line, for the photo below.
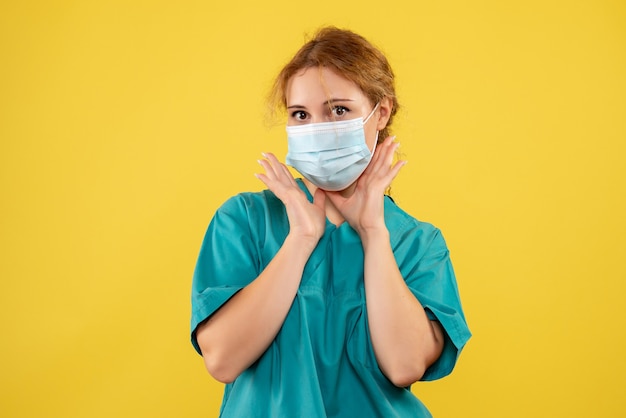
327 102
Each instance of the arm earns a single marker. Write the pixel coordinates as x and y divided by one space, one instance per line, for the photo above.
240 331
405 341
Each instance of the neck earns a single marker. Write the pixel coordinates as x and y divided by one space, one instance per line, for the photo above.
332 213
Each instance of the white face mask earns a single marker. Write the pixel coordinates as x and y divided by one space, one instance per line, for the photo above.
331 155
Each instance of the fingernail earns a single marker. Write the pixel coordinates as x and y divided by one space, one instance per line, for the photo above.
264 155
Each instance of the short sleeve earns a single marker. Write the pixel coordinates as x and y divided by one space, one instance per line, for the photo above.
228 261
424 262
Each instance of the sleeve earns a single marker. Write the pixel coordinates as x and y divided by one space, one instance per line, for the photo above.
228 261
424 262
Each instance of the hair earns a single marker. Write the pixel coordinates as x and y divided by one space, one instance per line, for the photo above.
352 57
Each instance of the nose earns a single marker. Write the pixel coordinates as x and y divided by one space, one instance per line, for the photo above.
321 118
318 118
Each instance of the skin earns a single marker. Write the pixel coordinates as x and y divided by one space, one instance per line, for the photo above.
405 341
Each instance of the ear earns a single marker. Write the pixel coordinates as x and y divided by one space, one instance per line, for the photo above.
384 113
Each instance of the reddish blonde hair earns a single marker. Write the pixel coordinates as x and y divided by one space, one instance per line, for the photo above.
351 56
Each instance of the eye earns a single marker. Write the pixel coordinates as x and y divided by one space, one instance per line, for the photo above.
299 115
340 111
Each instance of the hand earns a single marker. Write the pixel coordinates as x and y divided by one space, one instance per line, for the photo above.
306 220
363 209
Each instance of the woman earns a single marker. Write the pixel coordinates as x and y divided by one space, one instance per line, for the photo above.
320 297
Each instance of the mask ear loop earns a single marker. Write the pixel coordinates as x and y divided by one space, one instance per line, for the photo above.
365 121
371 113
375 144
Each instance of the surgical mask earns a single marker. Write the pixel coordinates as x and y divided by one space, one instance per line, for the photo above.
331 155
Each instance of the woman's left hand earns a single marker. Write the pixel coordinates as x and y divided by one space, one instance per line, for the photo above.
363 209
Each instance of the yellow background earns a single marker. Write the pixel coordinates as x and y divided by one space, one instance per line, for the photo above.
125 124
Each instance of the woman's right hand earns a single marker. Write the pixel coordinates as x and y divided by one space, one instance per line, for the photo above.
306 220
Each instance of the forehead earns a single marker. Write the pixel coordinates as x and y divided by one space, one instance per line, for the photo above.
316 85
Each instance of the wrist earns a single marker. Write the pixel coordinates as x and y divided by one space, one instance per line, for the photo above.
304 243
372 236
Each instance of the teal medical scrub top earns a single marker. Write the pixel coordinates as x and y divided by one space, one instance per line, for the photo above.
321 363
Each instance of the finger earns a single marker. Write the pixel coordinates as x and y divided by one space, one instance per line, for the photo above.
386 171
288 175
379 149
272 160
395 170
263 178
386 147
269 162
385 157
280 170
278 186
269 170
373 165
391 152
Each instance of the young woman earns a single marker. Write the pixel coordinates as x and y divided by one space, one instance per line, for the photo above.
320 297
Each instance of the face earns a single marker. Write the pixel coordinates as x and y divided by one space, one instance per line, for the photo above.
317 95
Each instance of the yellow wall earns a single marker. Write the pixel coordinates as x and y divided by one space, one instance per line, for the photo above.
123 126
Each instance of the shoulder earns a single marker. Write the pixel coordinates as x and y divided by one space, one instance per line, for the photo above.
250 204
252 213
403 226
